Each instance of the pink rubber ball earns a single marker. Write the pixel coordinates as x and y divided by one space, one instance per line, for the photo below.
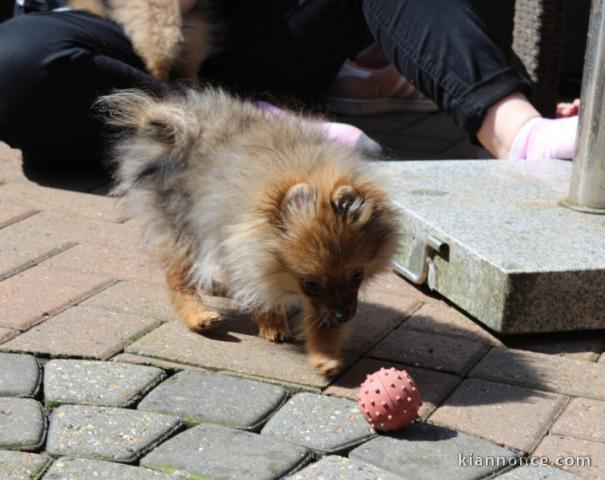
389 399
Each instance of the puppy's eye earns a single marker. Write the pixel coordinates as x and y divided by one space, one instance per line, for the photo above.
357 277
311 288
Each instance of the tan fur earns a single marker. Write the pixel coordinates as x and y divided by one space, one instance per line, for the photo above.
167 43
185 299
267 206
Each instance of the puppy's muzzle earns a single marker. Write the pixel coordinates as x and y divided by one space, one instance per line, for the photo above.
336 317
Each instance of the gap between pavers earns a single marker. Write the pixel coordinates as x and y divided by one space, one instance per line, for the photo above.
434 386
340 468
107 433
82 332
544 372
12 213
428 452
87 382
56 200
516 417
430 350
32 296
321 423
212 451
556 447
197 397
21 465
236 352
20 375
85 469
583 418
22 424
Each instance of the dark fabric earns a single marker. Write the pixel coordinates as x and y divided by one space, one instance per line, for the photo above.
54 65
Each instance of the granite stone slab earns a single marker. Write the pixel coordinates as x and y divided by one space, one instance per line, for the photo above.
19 375
216 452
430 350
537 473
428 452
340 468
105 433
543 372
497 218
109 384
321 423
500 413
199 397
84 469
22 424
21 465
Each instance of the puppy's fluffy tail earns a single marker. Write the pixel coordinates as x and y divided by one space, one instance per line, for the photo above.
154 137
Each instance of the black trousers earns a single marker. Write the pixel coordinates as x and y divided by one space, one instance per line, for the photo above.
53 66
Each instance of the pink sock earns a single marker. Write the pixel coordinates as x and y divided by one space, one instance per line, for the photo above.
339 132
542 138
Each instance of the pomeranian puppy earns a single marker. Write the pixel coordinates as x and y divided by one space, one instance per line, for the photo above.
170 44
264 205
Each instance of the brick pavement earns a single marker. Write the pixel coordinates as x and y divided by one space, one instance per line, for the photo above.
75 283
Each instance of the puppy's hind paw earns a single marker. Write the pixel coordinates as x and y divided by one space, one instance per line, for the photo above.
325 365
204 322
275 333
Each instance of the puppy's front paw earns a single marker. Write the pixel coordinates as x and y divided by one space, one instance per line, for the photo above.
203 321
328 366
275 333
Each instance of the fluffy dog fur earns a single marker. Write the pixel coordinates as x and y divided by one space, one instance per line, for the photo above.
168 43
266 206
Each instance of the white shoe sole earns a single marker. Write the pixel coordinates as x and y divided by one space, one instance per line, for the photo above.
350 106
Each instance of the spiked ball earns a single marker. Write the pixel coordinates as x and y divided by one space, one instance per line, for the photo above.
389 399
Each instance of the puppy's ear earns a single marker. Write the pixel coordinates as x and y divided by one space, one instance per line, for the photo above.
155 136
349 203
301 198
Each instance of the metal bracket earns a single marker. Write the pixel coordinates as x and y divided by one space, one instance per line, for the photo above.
432 246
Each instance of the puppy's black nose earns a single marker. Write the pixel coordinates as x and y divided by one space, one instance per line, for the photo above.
341 317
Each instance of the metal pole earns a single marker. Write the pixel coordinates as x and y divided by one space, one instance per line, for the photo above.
587 192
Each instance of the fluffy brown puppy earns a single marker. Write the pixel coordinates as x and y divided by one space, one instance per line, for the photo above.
265 205
169 44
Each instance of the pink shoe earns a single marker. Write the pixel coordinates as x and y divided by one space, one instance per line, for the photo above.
364 90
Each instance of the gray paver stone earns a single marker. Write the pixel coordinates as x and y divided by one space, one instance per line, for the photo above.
109 384
21 465
22 424
339 468
199 397
216 452
84 469
106 433
321 423
427 452
19 375
537 473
